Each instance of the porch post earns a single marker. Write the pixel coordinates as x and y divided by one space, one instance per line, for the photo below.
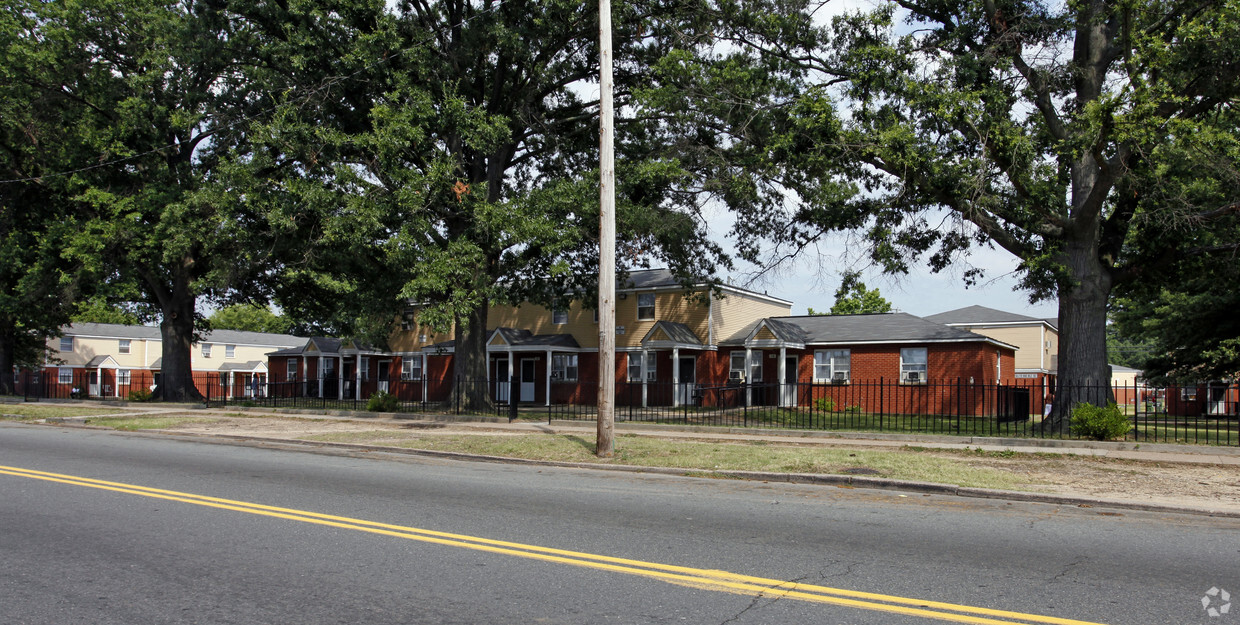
783 378
675 377
319 375
425 378
340 377
645 365
748 376
357 384
548 401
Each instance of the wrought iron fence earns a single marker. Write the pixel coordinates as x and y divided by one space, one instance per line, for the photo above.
1202 414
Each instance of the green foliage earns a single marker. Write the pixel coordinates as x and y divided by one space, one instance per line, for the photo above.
383 401
249 318
140 394
853 298
1099 423
824 404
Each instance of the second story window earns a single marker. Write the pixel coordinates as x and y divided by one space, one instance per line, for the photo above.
645 307
559 317
230 351
206 350
66 343
122 346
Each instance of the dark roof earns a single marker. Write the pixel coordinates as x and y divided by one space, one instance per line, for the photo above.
96 361
524 338
151 333
980 315
676 332
870 328
323 345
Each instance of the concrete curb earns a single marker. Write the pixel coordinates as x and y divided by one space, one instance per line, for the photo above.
849 481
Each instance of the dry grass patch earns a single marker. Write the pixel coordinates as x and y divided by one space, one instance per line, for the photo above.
655 452
31 412
162 422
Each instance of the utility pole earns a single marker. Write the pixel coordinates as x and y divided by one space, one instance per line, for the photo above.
607 243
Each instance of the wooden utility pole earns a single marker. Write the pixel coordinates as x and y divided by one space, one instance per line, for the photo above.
607 244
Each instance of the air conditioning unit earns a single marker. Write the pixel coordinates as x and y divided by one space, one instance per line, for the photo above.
736 376
839 376
912 376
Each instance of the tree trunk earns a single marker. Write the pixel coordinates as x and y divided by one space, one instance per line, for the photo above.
1083 374
470 361
8 348
177 331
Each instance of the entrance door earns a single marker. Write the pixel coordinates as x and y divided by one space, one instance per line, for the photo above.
93 390
788 391
688 381
502 382
383 375
529 379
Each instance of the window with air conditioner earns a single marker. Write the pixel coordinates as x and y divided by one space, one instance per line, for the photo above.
411 368
913 363
832 365
564 367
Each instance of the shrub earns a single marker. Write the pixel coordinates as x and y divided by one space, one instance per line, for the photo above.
140 394
1099 423
383 401
825 404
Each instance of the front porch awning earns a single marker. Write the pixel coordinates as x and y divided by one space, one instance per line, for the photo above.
102 362
671 335
773 334
519 340
250 366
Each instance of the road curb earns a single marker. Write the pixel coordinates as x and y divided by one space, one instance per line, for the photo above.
846 481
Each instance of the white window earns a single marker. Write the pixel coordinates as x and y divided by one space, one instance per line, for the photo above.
230 351
292 369
65 376
564 367
559 317
122 376
122 346
637 364
206 350
832 365
645 307
913 365
66 343
328 370
406 321
736 367
411 368
365 367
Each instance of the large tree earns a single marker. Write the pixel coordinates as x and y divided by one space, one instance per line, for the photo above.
456 158
168 91
1044 129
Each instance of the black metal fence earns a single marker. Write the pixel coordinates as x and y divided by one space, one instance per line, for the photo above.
1200 414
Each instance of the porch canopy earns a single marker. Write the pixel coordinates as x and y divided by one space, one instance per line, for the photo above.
510 342
671 336
329 355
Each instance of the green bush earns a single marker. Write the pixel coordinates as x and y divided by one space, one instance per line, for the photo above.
825 404
383 401
1099 423
139 394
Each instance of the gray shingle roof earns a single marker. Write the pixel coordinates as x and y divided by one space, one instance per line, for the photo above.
676 332
857 329
524 338
980 314
151 333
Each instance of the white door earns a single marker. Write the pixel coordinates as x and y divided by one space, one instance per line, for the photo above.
788 391
93 391
529 379
502 383
688 381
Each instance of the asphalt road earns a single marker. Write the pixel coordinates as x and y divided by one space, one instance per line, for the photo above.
106 527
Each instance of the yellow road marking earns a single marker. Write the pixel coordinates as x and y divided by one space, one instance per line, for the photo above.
698 578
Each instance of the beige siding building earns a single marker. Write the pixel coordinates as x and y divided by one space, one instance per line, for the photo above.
1037 340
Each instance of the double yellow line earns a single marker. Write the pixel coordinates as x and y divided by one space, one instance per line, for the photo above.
697 578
